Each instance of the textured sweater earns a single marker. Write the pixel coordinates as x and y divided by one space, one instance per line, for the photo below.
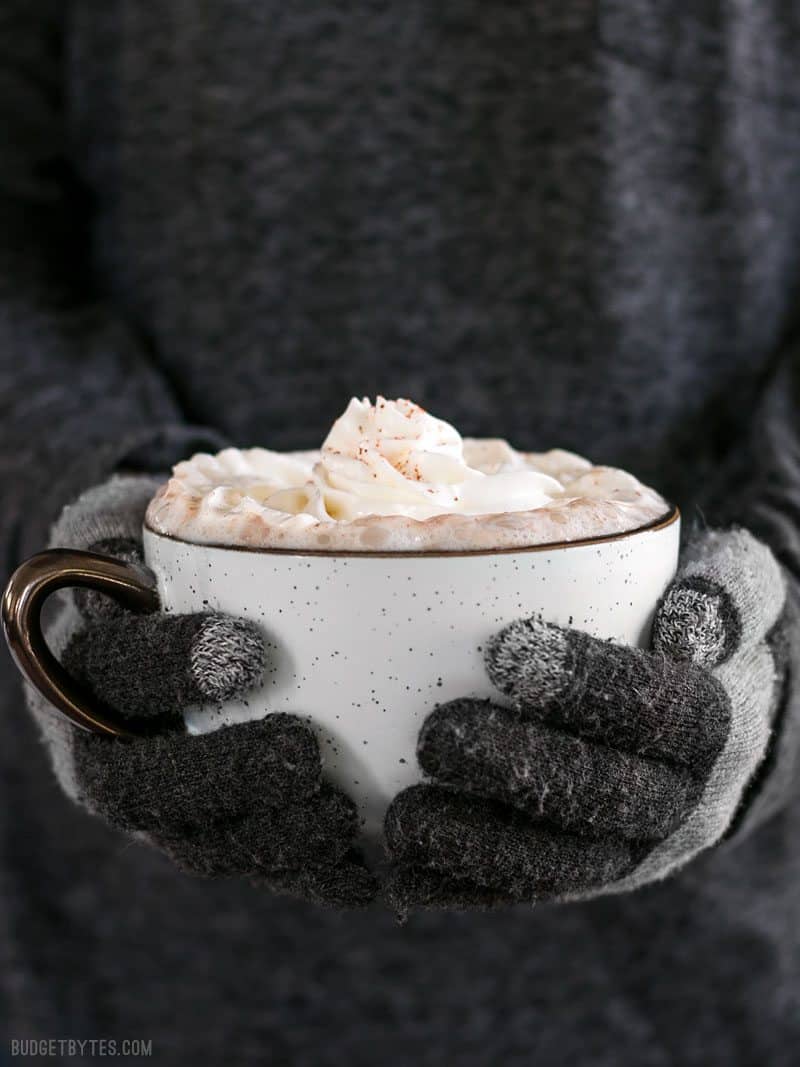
574 224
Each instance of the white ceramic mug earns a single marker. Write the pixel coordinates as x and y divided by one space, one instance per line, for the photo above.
365 645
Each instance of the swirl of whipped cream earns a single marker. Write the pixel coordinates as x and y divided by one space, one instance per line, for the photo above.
394 458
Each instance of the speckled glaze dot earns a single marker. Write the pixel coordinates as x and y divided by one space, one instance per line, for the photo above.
364 647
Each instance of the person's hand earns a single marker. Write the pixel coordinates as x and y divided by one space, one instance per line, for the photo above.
247 800
614 766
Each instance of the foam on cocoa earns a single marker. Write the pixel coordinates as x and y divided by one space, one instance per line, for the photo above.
391 477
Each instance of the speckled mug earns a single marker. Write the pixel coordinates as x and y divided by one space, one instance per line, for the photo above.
365 645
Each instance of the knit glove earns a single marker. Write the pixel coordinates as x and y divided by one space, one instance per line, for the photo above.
247 800
614 766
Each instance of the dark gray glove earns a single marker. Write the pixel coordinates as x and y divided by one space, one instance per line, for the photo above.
247 800
614 766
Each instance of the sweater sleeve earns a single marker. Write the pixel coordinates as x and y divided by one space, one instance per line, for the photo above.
770 486
80 394
759 487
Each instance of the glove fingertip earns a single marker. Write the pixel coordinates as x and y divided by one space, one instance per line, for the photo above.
527 660
447 727
227 657
697 621
746 580
402 815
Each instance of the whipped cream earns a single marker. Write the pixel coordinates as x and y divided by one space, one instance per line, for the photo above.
392 477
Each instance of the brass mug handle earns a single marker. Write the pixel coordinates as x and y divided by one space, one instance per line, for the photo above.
130 584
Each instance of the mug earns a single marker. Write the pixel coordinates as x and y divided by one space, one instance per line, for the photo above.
364 644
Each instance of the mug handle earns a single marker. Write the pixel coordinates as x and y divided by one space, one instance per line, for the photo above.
130 584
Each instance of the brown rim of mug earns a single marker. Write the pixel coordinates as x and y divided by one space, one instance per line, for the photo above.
551 546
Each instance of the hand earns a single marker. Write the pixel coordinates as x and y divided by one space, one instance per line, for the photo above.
246 800
614 766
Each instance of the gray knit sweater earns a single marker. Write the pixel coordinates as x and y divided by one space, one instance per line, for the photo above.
574 223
